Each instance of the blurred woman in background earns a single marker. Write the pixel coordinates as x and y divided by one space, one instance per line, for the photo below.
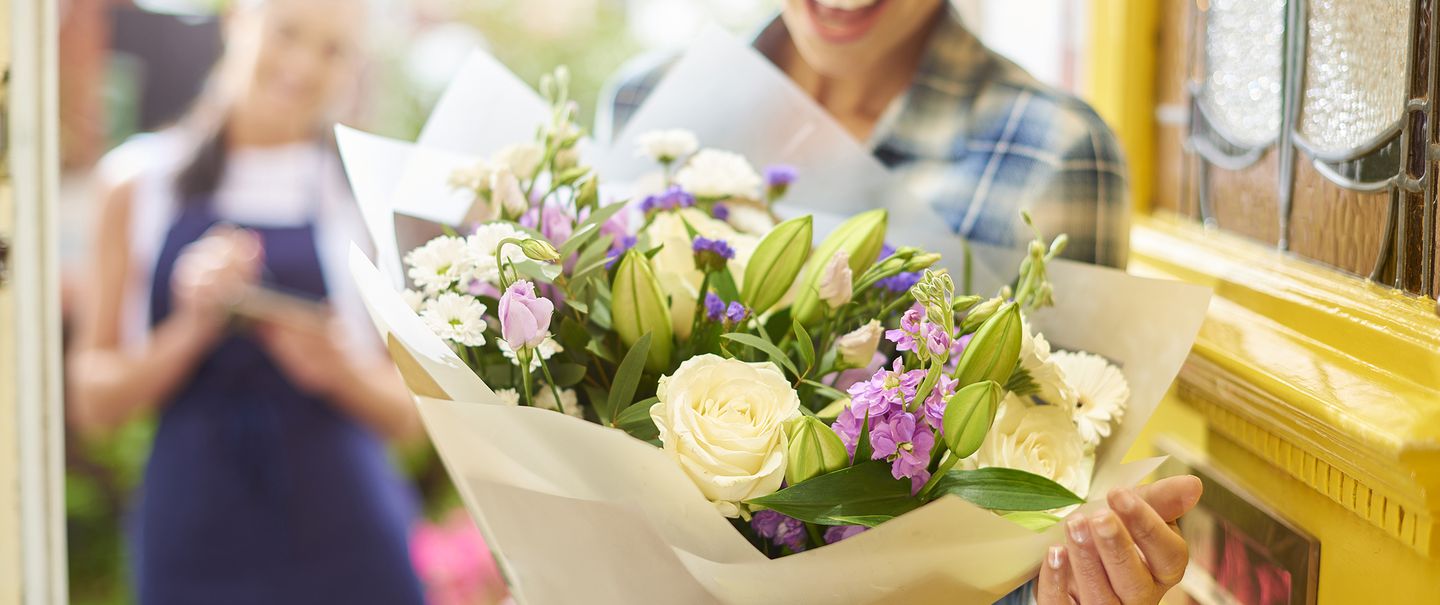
268 481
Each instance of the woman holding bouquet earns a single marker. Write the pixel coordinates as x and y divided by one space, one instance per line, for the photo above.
268 481
977 139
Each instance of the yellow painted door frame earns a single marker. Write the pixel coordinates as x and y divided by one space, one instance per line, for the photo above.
1121 83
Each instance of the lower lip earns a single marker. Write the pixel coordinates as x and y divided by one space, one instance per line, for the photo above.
841 26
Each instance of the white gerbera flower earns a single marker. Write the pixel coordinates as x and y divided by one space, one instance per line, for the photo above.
714 173
547 349
1101 389
482 245
439 263
666 146
508 396
1048 376
569 402
456 317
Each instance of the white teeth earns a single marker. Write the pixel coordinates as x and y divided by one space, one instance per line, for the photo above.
846 5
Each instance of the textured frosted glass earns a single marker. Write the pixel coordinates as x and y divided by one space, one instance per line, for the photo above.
1244 45
1355 71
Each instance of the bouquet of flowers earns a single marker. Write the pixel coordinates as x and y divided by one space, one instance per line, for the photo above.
748 393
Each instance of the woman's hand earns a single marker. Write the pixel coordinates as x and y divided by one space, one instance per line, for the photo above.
310 356
1131 554
213 272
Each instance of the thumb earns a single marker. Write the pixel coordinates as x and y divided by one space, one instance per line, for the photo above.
1172 497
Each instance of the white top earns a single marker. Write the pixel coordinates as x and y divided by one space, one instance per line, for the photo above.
282 186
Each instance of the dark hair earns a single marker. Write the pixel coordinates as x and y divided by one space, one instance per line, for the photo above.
201 174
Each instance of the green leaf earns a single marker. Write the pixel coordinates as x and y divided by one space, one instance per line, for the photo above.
1006 489
969 413
600 215
866 520
544 272
826 390
578 239
724 284
764 346
627 376
1033 521
863 450
807 348
1021 383
636 420
567 374
863 490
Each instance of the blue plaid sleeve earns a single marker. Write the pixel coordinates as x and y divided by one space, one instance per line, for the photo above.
1024 595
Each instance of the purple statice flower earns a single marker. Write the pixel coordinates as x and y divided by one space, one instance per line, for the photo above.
618 249
714 307
840 532
779 529
720 212
907 336
673 198
900 282
736 312
886 391
906 442
711 254
780 175
935 403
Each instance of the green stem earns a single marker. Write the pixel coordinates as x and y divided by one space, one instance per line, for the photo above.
815 534
550 380
950 461
523 356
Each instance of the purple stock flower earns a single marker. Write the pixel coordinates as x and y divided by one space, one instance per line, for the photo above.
840 532
779 529
907 336
935 404
886 391
899 282
906 442
847 426
720 212
714 307
779 175
736 312
936 340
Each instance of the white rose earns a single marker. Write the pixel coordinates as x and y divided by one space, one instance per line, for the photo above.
1039 439
666 146
723 421
858 347
520 159
1048 375
712 173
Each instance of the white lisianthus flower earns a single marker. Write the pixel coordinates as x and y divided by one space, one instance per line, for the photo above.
543 352
723 421
569 402
415 300
666 146
1101 390
837 281
1048 376
522 160
712 173
857 347
505 192
439 263
508 396
1039 439
457 318
475 177
482 245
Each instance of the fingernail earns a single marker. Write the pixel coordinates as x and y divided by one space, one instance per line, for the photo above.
1055 556
1079 530
1104 525
1124 501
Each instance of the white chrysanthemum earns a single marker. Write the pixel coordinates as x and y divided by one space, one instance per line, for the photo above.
666 146
482 245
456 317
1039 439
415 300
1048 376
520 159
569 402
547 349
475 177
439 263
1101 393
508 396
714 173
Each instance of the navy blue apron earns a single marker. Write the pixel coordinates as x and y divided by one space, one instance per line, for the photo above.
256 492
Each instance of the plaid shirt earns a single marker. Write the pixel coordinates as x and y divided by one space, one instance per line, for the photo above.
977 139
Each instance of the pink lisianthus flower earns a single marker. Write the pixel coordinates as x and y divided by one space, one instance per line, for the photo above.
524 317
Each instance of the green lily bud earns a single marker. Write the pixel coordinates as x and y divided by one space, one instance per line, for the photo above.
541 250
980 314
969 412
994 351
776 262
921 261
638 307
813 450
589 195
861 237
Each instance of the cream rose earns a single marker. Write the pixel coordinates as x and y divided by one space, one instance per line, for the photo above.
1040 439
723 421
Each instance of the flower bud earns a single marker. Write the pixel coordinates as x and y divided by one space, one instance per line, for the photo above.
969 412
861 237
638 307
776 262
836 282
589 194
980 313
540 250
995 350
813 450
856 348
524 316
921 261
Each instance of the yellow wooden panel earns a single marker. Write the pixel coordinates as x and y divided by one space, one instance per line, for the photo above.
10 564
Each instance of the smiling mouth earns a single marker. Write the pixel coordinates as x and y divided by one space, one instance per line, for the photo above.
840 21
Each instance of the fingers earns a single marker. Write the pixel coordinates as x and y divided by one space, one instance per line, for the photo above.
1092 583
1129 577
1172 496
1165 551
1054 585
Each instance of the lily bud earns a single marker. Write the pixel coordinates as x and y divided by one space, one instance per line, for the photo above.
861 237
776 262
836 282
540 250
969 412
921 261
980 313
813 450
638 307
995 350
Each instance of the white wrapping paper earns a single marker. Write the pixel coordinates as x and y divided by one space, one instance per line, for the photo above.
579 513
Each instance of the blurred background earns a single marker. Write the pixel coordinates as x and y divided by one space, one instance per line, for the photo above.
131 66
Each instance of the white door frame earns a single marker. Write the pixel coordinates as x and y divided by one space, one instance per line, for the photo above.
32 425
